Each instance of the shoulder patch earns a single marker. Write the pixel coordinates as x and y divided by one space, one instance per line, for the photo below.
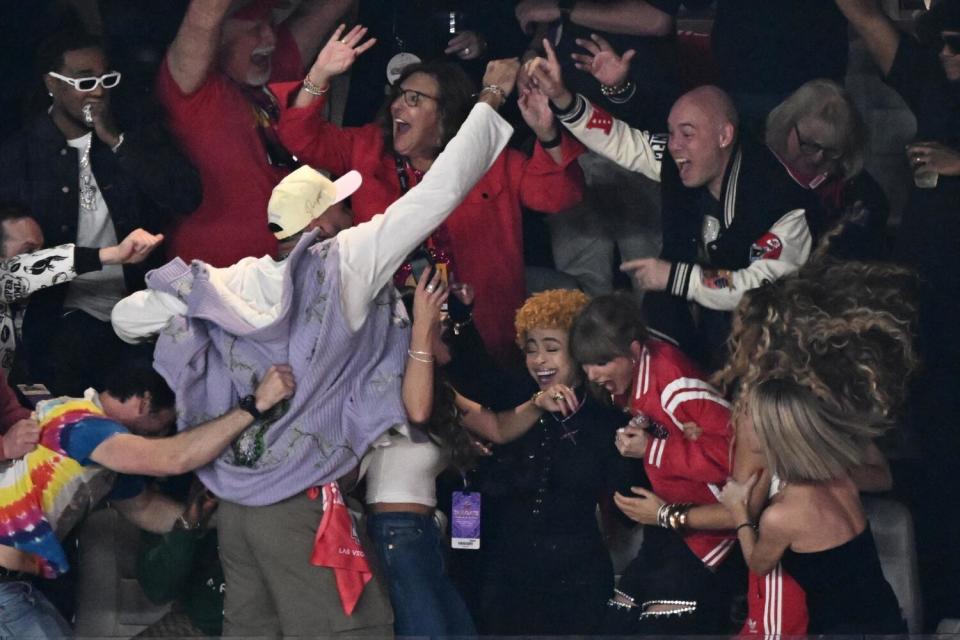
600 120
767 247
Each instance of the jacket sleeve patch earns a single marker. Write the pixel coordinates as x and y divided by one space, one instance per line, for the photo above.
600 120
767 247
717 278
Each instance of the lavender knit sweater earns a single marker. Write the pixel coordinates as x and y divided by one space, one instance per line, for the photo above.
348 383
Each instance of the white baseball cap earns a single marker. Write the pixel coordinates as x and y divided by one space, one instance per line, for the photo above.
303 196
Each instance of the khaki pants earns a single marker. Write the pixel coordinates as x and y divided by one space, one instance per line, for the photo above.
273 590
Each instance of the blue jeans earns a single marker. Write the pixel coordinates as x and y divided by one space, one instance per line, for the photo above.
26 613
425 602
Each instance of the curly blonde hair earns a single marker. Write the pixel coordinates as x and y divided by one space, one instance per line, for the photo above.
550 309
843 331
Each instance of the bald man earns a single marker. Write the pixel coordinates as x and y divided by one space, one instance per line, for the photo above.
732 216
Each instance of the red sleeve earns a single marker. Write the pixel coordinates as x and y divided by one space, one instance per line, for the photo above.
308 135
549 187
702 451
202 104
10 408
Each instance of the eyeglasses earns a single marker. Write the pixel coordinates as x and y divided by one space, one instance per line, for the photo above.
107 81
412 98
951 41
810 148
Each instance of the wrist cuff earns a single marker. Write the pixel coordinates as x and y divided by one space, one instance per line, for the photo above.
86 259
573 112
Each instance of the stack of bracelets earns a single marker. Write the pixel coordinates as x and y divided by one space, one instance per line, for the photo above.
673 516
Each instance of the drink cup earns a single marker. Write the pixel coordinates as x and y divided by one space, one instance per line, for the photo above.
925 178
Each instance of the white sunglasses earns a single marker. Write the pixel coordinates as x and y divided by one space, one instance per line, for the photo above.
107 81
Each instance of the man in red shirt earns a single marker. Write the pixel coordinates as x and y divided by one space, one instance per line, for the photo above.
213 85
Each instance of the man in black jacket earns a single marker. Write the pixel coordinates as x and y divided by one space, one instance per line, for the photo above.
89 176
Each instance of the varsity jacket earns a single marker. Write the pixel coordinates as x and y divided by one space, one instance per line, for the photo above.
22 275
688 458
763 234
758 231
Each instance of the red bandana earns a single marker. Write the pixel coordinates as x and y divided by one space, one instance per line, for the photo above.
337 546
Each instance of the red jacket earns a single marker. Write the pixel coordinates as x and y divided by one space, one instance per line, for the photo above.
485 231
684 466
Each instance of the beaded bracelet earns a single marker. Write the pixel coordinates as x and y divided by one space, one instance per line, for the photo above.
314 89
618 90
494 89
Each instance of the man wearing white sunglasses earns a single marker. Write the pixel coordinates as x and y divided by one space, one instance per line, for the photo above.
90 174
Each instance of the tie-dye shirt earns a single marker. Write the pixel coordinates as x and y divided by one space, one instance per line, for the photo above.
48 491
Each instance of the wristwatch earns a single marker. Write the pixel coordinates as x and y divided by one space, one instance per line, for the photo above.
249 404
566 6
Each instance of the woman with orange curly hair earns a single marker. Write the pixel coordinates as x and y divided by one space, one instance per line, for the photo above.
545 568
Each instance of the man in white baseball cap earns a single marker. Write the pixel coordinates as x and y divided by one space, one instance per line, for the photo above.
305 200
330 311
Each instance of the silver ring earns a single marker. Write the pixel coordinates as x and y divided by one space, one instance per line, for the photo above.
431 288
466 51
343 41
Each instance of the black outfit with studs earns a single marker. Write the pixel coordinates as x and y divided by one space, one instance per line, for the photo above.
545 567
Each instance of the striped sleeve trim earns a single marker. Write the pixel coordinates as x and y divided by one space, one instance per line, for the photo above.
679 282
572 113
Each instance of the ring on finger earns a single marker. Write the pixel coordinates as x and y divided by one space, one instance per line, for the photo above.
466 51
558 396
431 288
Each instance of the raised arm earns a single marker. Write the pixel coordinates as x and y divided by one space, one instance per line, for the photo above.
193 448
600 132
418 378
876 29
194 50
371 252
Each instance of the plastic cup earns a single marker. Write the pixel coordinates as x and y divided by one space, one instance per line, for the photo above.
925 178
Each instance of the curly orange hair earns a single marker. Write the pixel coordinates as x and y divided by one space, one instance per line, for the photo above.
551 309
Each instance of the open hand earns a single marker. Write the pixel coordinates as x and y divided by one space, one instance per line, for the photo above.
339 54
602 62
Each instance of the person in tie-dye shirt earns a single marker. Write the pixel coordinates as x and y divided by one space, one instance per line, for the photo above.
84 444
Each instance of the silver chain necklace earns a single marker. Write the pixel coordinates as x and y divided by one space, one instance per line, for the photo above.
88 190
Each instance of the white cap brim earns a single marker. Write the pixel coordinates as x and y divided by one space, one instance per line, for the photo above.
347 184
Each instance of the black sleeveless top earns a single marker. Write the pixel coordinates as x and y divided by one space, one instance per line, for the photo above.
846 590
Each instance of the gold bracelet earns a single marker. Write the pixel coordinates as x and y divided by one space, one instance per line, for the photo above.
314 89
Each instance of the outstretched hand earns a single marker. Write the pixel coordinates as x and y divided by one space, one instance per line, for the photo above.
602 62
133 249
339 54
546 76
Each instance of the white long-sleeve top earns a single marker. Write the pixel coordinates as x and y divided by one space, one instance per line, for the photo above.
369 253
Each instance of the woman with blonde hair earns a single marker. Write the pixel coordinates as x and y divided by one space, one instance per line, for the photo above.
821 140
820 363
